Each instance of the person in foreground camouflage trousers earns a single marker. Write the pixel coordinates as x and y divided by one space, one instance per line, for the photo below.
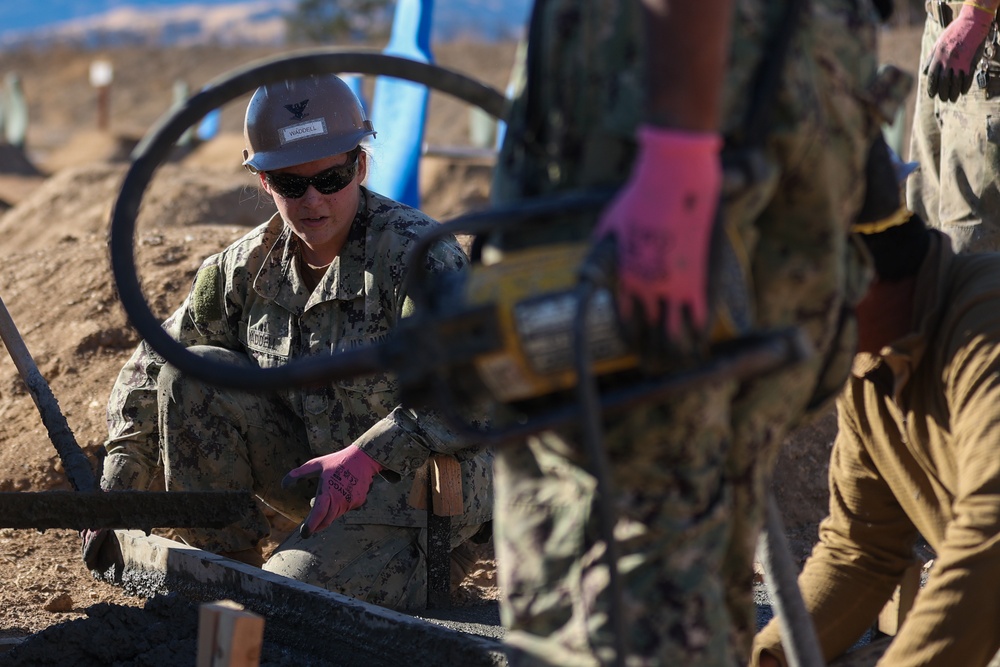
648 91
323 275
916 451
956 125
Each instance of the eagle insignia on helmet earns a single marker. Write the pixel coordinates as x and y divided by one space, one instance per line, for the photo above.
298 110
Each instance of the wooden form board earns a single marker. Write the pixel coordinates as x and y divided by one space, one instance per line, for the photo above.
228 635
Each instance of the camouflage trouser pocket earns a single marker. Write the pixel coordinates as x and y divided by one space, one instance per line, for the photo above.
969 199
968 140
989 176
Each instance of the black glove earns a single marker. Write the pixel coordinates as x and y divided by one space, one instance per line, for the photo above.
950 68
101 549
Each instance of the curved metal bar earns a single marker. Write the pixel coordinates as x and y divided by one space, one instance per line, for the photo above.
156 146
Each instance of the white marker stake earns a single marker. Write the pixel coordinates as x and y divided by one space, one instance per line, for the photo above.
101 75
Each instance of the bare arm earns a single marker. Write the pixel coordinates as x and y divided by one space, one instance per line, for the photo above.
687 55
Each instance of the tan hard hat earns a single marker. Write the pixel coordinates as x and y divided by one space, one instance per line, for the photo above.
299 121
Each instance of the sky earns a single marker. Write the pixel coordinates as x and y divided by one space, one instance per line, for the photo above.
19 15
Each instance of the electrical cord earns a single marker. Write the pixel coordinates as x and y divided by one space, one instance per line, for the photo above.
600 466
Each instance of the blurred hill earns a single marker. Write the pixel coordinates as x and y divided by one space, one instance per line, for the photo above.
63 107
109 23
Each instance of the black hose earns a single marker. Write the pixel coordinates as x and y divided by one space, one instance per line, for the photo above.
158 144
592 429
798 634
751 357
497 218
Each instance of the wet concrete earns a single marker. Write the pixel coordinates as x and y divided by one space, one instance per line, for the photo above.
163 632
304 625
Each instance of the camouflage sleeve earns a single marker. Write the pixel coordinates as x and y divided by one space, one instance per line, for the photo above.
405 438
133 451
445 257
132 445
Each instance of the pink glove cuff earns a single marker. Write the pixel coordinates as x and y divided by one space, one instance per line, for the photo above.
679 159
375 465
982 11
667 143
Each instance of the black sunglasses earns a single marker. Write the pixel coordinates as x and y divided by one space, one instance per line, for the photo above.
326 182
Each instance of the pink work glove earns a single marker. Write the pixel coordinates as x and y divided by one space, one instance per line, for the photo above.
662 221
344 480
949 67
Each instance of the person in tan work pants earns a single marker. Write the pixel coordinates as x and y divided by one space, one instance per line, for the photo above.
915 453
955 136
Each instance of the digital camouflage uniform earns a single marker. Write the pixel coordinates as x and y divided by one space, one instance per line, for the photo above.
957 144
690 473
249 304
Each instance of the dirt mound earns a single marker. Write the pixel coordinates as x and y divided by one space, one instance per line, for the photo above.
88 147
451 187
14 189
78 201
62 299
224 153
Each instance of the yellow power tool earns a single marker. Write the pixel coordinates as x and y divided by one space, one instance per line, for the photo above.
507 330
